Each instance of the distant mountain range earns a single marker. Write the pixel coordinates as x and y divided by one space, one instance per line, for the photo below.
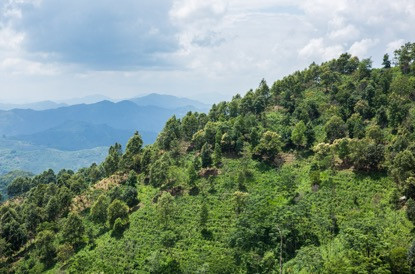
35 106
77 135
88 126
153 99
169 102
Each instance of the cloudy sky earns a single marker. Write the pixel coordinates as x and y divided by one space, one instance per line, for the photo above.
203 49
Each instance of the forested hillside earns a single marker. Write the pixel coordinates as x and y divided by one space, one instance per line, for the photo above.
314 174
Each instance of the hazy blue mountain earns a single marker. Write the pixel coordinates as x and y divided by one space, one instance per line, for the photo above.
90 99
86 126
76 135
169 102
19 155
42 105
121 115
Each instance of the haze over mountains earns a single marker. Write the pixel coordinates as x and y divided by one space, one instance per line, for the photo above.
89 126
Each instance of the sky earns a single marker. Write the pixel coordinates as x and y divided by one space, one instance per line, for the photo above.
201 49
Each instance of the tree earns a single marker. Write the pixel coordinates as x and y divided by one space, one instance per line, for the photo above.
119 226
386 62
131 158
112 161
210 132
12 232
19 186
45 247
298 135
335 129
52 209
73 230
65 251
170 132
166 207
192 174
117 209
269 146
135 144
366 155
206 155
410 210
132 178
217 155
240 199
405 57
364 68
129 196
33 216
403 166
99 210
158 171
356 126
397 109
65 200
189 126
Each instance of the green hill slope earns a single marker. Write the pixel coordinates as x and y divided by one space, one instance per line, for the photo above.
313 175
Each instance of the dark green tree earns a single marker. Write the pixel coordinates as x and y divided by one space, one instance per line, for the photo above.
45 247
112 161
217 155
52 209
410 210
269 146
159 171
135 144
170 132
129 196
206 155
298 135
403 166
189 126
386 62
99 210
117 209
166 208
335 129
73 230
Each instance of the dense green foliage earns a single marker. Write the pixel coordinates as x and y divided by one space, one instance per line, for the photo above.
313 175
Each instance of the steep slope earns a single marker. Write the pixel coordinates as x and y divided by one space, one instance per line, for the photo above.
313 175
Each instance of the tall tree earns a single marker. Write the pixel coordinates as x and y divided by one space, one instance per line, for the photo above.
73 230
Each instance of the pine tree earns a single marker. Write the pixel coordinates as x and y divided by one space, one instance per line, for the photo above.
206 155
217 155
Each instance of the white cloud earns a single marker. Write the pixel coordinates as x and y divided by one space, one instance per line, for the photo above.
346 33
394 45
222 46
10 40
185 10
362 47
317 50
